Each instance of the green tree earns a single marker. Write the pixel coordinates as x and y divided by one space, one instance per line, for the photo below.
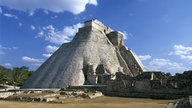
16 76
178 75
3 74
168 74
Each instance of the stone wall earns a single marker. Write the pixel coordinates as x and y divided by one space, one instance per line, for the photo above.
142 86
150 84
129 86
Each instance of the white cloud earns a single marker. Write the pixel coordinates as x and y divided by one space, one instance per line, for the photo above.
36 64
51 49
182 51
94 2
3 49
161 62
41 33
46 55
187 57
20 24
2 52
53 35
32 27
46 12
7 64
144 57
29 59
124 33
1 11
10 15
54 17
166 65
74 6
8 48
31 13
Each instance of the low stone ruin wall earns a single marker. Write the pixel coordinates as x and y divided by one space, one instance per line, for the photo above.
89 87
151 85
53 96
153 95
4 95
145 89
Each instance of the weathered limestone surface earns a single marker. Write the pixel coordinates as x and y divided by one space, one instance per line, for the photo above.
5 94
90 58
132 61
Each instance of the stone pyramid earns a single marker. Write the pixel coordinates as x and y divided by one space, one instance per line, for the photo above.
94 55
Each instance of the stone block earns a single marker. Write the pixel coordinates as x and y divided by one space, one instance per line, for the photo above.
50 99
142 86
4 95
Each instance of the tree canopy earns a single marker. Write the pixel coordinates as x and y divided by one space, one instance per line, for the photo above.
15 76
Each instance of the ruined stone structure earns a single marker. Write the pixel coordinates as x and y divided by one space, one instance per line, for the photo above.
95 55
151 84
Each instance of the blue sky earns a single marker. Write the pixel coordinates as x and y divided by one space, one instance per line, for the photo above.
158 31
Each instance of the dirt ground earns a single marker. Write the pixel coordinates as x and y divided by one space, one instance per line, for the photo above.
100 102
